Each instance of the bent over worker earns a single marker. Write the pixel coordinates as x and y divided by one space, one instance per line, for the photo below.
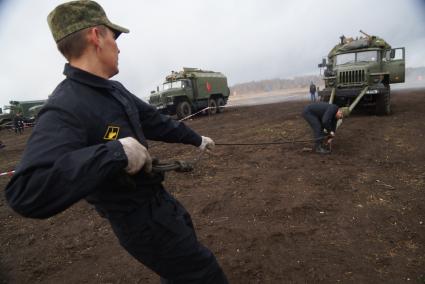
322 117
90 142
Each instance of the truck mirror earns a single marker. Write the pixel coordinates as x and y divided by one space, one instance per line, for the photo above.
392 53
152 92
387 55
157 88
323 64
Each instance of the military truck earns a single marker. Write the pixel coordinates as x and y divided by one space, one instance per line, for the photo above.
190 90
360 71
27 109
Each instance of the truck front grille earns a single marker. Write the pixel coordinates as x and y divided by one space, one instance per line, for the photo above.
351 77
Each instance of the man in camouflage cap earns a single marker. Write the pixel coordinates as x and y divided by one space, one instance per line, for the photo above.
90 142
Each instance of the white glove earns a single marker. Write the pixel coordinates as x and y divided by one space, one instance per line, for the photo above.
207 143
338 123
137 155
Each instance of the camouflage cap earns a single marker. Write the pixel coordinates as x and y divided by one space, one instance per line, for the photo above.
74 16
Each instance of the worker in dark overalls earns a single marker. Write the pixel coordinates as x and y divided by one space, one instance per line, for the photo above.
90 142
322 118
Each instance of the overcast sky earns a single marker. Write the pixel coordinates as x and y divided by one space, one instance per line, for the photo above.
245 39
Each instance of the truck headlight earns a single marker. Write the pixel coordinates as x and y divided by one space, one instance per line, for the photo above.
167 100
373 92
377 79
331 82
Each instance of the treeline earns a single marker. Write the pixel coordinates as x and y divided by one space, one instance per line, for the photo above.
275 84
412 74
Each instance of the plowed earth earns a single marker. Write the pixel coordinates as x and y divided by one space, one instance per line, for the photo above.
270 213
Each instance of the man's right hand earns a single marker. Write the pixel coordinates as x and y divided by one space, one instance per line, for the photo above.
137 155
207 144
330 137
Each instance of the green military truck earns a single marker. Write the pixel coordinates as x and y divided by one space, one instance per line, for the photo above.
27 109
191 90
361 71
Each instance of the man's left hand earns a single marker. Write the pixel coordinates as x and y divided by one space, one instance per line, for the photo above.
207 144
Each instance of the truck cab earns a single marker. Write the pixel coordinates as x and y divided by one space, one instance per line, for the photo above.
366 62
189 91
28 110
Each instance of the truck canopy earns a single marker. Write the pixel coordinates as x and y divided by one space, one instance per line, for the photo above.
25 108
193 73
350 44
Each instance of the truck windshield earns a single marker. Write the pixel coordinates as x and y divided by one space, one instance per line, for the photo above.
368 56
364 56
345 58
172 85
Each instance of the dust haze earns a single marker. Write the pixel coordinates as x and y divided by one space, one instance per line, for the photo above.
249 40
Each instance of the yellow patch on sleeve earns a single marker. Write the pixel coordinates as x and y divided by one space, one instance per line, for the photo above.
112 133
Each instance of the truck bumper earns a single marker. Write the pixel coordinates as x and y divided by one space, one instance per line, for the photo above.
165 109
344 96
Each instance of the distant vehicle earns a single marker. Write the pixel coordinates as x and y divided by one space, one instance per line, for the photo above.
361 71
27 109
191 90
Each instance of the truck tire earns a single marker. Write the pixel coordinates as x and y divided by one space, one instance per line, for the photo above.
212 104
183 109
220 104
383 103
323 98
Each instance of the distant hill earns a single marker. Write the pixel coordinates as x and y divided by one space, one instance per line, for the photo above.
275 84
412 74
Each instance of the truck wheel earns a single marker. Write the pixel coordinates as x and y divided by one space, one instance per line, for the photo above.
183 109
383 103
220 104
212 104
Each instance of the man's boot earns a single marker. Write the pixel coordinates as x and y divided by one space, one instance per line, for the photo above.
320 150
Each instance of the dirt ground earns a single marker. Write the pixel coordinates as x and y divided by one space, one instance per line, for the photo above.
271 214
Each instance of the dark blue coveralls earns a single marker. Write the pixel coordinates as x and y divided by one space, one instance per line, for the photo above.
321 116
73 153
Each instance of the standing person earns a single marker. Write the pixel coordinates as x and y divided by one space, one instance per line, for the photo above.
312 92
321 117
18 123
90 142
